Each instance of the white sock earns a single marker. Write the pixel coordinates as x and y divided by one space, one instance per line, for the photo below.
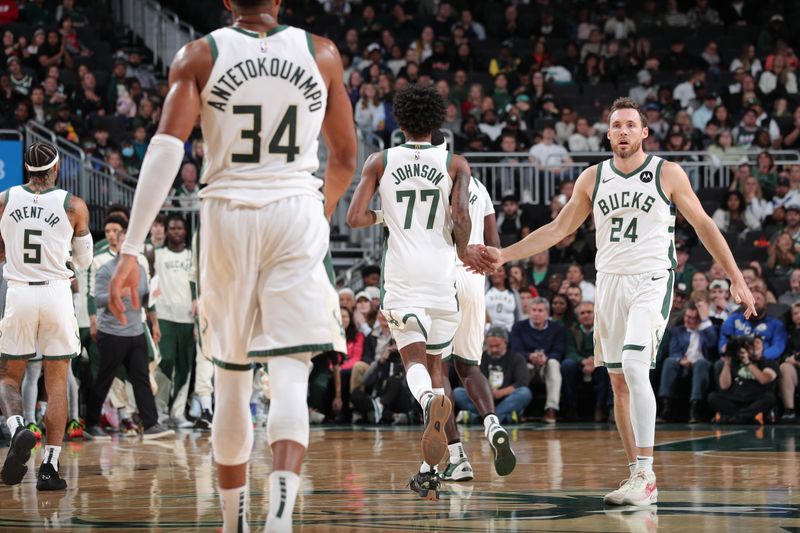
424 468
283 487
205 403
456 452
234 509
438 392
51 455
644 463
13 422
419 382
488 422
632 467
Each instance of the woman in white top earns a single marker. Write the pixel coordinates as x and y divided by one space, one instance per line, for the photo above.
423 47
502 303
778 78
370 114
754 200
747 60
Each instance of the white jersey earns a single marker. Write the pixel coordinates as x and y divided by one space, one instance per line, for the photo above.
480 206
174 271
634 218
261 115
419 257
37 234
502 307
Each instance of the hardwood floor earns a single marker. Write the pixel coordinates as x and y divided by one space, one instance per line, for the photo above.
354 479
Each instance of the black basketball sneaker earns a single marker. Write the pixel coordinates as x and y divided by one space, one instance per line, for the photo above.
426 485
49 478
15 467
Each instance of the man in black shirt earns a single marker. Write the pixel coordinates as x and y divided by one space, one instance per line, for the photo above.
508 377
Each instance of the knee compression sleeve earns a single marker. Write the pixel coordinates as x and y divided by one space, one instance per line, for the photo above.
232 431
642 401
288 410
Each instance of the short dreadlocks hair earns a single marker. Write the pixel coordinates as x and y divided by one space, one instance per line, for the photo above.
419 110
40 155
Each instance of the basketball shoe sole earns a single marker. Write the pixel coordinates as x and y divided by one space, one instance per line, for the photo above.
434 440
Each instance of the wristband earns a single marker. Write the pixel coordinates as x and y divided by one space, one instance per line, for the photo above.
378 216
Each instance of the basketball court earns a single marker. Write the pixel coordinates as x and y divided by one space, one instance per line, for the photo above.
354 479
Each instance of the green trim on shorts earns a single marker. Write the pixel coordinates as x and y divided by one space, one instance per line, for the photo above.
634 347
667 296
619 365
439 346
671 254
291 350
73 355
459 359
231 366
424 331
383 260
597 182
658 183
328 262
17 357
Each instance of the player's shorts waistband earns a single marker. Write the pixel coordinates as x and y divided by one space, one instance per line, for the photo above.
15 283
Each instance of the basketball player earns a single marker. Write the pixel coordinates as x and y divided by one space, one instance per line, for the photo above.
468 345
425 200
633 197
39 223
263 92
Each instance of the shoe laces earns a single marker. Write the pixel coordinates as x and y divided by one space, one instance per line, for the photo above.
638 480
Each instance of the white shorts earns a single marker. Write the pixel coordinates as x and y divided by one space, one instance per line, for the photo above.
42 315
468 342
631 315
271 264
435 327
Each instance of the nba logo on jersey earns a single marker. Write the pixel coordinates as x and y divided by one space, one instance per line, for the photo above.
416 155
263 46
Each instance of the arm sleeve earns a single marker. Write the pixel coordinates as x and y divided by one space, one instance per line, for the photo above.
82 248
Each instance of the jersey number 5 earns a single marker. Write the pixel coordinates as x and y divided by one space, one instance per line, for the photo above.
33 250
288 122
423 196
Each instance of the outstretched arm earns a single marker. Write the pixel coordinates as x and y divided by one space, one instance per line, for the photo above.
677 187
359 214
459 203
568 220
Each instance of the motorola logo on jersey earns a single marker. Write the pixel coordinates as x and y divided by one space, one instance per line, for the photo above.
646 176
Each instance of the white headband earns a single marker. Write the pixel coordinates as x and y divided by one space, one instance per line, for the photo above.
45 167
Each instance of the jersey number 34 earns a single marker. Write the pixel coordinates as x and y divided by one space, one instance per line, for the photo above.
288 122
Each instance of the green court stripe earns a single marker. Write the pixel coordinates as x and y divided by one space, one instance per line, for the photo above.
424 331
461 360
658 183
212 44
231 366
290 350
311 45
667 296
597 181
635 347
17 357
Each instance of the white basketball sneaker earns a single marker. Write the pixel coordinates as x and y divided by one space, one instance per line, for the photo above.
642 489
460 471
615 497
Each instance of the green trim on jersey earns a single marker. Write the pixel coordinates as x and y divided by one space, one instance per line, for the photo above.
311 46
66 200
212 44
385 159
383 262
597 181
26 189
449 158
441 346
5 196
459 359
260 35
671 229
231 366
415 146
630 174
421 327
634 347
290 350
658 183
667 296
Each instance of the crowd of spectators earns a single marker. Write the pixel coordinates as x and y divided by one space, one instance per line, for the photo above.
532 79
